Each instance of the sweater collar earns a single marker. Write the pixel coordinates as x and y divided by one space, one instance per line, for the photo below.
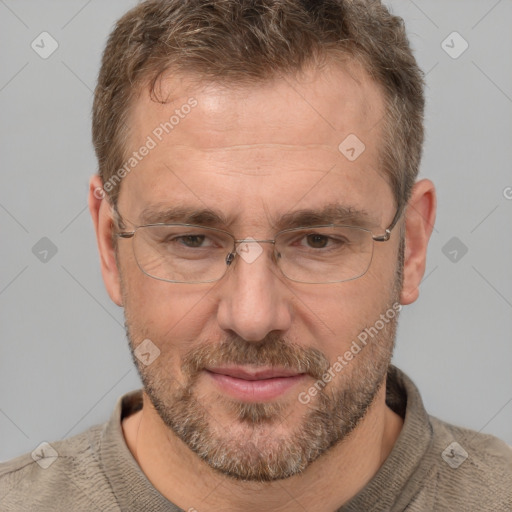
392 482
133 491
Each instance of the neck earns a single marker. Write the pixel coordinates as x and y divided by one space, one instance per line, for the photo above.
188 482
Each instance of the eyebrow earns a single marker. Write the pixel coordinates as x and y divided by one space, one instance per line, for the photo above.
333 213
182 215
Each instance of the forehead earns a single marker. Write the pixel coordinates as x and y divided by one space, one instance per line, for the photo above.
301 108
247 147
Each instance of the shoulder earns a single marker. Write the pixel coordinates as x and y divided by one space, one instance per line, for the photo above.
472 467
61 475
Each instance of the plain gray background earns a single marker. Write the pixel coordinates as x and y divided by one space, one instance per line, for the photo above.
64 359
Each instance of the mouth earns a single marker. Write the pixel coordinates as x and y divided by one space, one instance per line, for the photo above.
254 384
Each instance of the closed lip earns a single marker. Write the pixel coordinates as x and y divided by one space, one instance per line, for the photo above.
247 373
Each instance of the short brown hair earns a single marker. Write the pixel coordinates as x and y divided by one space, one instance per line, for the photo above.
247 40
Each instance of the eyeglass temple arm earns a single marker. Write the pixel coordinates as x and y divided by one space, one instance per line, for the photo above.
118 220
387 235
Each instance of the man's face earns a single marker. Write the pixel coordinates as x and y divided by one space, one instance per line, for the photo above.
254 154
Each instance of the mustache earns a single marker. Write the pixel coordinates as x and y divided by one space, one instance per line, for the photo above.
271 351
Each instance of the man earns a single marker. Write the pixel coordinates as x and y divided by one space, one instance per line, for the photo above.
259 220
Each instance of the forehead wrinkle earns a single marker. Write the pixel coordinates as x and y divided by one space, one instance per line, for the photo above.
286 147
257 173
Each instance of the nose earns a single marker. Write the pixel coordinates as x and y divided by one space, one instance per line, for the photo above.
254 299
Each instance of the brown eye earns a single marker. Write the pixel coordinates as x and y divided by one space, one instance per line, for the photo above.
192 240
317 241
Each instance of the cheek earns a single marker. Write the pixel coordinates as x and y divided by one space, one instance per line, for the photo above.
172 315
338 313
171 319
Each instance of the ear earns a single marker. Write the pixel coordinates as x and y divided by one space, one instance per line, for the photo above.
101 213
419 223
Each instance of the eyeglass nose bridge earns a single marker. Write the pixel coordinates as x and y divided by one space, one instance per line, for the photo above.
231 256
